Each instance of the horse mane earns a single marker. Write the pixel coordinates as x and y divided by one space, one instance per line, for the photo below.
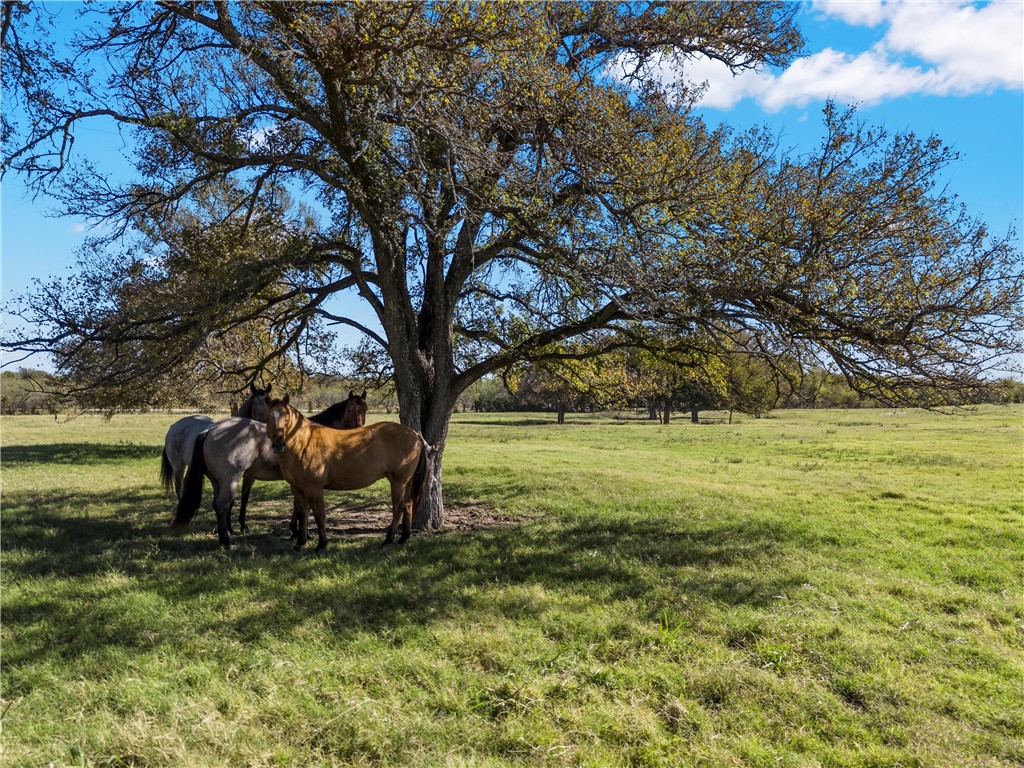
347 414
331 414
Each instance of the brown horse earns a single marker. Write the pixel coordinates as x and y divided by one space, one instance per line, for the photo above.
315 458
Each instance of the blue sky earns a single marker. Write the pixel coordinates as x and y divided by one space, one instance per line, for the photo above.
953 69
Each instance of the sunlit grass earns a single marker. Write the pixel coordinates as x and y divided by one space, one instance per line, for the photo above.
818 588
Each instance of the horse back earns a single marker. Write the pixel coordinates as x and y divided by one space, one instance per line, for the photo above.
188 427
181 435
355 458
238 445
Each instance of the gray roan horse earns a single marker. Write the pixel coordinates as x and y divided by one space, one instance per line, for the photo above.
182 435
237 451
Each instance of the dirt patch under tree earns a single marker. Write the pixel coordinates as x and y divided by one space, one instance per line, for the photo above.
371 519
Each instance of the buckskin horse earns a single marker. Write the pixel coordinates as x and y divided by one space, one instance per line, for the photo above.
182 435
313 459
237 451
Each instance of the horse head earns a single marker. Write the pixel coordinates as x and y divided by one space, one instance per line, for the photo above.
255 406
281 419
355 411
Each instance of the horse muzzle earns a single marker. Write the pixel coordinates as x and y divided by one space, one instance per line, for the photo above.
277 446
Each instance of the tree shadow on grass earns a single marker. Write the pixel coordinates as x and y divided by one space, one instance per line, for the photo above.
541 421
77 453
67 535
75 540
511 421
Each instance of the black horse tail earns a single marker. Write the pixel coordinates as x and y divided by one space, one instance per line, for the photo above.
192 488
166 473
420 475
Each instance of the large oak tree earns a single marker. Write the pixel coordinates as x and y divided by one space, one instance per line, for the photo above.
488 180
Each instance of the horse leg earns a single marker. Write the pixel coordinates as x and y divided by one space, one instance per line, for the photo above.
223 499
293 524
320 515
397 497
301 511
216 491
179 478
406 513
246 487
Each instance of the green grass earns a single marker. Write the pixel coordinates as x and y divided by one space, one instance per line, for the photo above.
819 588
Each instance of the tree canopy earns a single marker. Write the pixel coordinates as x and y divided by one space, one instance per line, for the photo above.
488 181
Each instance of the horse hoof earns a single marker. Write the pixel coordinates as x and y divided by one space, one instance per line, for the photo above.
321 546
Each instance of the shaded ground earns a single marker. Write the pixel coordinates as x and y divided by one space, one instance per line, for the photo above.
371 519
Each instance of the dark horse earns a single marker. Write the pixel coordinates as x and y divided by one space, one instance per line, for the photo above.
181 438
237 451
313 459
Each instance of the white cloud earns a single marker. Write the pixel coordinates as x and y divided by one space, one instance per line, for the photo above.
869 77
929 48
723 88
861 13
96 226
258 140
974 48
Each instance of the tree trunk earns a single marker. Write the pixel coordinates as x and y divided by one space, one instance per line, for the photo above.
426 404
652 412
430 417
693 415
561 414
429 515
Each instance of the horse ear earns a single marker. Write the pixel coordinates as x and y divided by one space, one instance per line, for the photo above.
351 394
285 398
269 386
363 396
252 388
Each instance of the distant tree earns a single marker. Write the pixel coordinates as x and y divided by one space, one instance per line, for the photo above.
574 380
668 372
755 386
1006 390
547 386
837 393
696 394
808 392
490 395
28 391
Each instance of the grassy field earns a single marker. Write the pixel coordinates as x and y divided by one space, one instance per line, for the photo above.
819 588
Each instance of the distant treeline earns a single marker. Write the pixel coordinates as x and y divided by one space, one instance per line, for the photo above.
29 391
817 389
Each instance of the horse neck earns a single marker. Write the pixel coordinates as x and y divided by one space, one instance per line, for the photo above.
338 416
299 429
326 417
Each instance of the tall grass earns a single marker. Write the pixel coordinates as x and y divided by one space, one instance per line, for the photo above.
820 588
